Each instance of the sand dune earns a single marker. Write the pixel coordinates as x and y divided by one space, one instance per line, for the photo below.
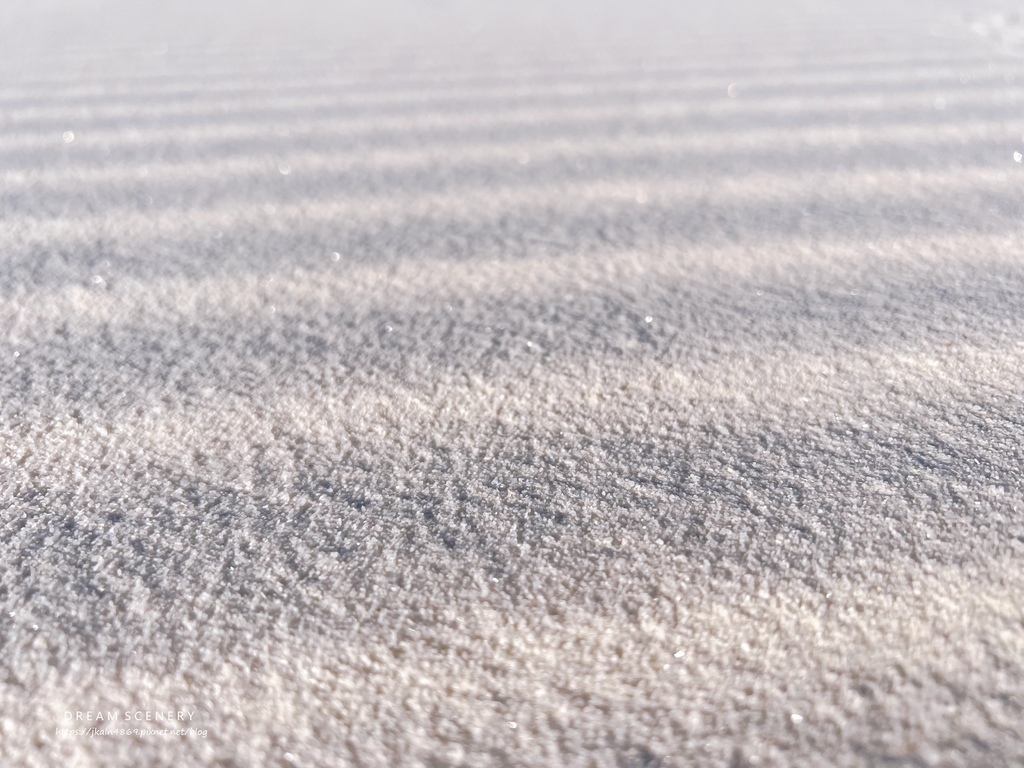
463 384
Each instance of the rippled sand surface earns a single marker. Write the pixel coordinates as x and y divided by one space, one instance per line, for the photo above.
511 384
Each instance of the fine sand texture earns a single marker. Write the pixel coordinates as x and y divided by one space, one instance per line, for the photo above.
508 383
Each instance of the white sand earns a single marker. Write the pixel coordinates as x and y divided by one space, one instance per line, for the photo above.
451 384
